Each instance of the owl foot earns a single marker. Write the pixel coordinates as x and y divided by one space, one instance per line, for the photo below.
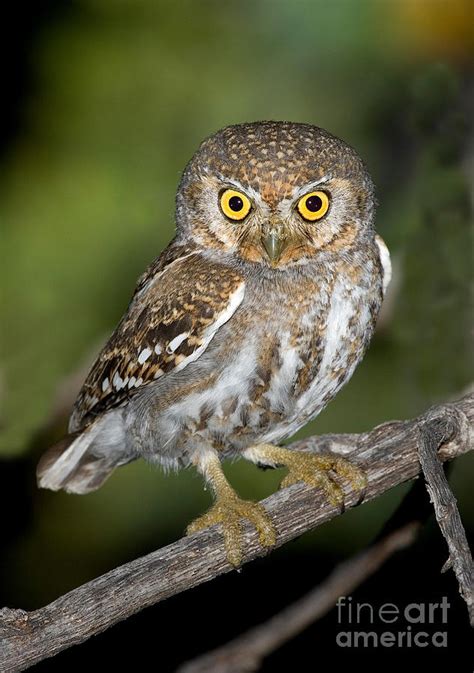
312 469
229 510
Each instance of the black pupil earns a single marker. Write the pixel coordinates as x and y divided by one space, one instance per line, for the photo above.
314 203
236 203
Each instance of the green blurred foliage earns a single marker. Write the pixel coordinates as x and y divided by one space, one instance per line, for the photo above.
123 93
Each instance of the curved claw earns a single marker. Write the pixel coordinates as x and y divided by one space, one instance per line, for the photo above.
354 475
317 479
229 512
314 470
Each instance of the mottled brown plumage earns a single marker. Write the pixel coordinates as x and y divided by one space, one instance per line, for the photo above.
165 326
244 328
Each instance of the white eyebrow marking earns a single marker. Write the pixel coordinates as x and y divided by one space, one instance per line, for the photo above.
249 191
309 186
256 197
232 182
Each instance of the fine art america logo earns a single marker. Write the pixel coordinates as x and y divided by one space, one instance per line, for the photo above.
414 625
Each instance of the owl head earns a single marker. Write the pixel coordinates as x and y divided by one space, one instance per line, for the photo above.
275 193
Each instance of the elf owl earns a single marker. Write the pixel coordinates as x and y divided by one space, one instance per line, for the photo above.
243 329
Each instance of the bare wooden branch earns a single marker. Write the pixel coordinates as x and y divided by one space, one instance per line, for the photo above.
433 433
245 653
389 455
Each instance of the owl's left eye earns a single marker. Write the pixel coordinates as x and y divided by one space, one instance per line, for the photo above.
234 204
313 206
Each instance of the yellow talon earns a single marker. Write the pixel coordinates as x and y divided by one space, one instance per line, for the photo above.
312 469
229 510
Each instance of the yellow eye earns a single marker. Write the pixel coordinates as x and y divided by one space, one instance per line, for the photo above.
235 205
313 206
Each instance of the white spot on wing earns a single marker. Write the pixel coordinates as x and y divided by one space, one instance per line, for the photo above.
235 299
118 381
176 342
234 302
144 355
105 384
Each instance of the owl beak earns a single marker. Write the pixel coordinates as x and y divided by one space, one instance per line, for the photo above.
274 243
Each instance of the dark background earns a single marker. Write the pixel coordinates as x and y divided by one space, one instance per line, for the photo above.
103 104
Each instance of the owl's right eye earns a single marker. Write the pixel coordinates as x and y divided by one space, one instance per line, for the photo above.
234 204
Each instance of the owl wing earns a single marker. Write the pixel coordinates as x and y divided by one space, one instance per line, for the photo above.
178 306
385 261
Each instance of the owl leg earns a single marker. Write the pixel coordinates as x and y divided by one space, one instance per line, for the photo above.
310 468
229 510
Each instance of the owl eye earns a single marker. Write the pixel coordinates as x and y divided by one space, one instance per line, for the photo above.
234 204
313 206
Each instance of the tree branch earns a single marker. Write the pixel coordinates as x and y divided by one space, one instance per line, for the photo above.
246 652
389 455
432 434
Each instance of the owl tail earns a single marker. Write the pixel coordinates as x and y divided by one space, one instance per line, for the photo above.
72 466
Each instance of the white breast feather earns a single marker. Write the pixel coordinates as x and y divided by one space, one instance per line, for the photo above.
234 381
283 379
